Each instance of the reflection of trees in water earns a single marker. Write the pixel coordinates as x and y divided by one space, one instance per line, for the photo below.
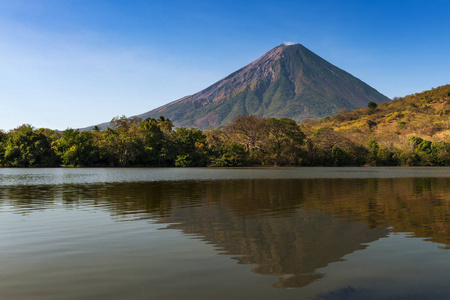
417 205
288 228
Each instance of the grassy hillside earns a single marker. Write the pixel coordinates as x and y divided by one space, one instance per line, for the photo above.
392 124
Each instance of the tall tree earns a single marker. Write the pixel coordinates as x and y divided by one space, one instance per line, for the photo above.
76 148
122 142
27 147
249 131
284 141
191 150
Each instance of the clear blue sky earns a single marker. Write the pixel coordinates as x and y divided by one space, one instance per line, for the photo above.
77 63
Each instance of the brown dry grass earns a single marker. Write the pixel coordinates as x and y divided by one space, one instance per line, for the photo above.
425 115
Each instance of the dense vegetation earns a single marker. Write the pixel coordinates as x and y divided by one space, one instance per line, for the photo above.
413 130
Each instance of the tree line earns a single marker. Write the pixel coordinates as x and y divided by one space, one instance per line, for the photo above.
246 141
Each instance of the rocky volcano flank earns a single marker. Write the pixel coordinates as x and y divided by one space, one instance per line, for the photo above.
288 81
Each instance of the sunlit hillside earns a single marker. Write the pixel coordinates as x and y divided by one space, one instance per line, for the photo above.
425 115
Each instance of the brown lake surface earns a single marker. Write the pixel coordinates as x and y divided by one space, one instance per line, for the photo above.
202 233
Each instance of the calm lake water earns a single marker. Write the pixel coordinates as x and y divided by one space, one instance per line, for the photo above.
264 233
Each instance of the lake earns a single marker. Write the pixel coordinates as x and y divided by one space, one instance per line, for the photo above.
212 233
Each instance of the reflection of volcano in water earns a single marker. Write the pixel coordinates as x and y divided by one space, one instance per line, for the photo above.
264 223
292 246
288 228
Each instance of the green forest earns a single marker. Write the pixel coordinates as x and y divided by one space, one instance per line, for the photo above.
409 131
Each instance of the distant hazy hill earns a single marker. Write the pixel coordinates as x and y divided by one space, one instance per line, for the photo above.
288 81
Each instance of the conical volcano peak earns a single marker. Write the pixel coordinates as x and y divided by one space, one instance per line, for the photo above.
276 52
289 44
265 65
289 81
286 49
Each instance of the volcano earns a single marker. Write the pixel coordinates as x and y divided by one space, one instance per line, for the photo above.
289 81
